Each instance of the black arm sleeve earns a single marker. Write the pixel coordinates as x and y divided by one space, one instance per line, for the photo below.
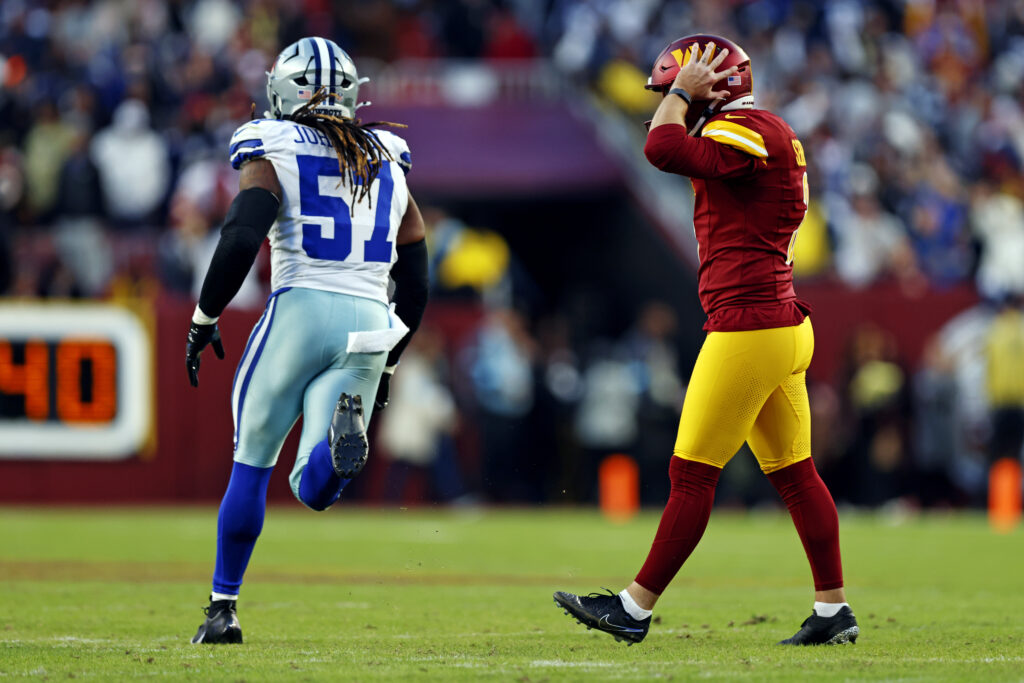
411 283
245 227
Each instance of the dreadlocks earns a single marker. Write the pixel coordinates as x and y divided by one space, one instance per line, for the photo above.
360 153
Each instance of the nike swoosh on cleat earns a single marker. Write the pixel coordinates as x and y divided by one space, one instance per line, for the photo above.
603 623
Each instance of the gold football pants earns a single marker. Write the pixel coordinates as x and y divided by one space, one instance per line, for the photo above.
749 386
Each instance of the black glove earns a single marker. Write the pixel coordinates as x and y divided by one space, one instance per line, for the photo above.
384 389
198 337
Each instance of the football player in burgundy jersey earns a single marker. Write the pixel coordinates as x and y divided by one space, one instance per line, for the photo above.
750 194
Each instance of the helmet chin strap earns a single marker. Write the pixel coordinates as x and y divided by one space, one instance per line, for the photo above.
745 102
708 112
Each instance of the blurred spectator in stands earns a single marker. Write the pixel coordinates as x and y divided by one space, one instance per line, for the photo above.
812 251
500 365
997 219
50 277
1004 353
199 203
443 232
935 427
870 243
828 429
950 38
938 224
506 37
416 429
651 349
559 387
874 469
79 233
47 145
79 192
623 83
964 342
467 260
461 27
81 110
211 23
6 260
606 420
11 192
414 37
134 165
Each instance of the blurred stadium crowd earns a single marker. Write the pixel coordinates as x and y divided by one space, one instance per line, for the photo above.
114 117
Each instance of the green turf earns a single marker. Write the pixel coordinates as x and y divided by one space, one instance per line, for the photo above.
450 595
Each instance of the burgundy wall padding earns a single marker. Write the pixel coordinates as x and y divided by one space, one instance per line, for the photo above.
911 320
192 459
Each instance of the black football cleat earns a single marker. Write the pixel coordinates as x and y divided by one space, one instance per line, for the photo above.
221 625
837 630
347 437
605 613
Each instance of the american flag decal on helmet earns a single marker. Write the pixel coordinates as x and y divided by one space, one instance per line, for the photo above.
735 79
304 93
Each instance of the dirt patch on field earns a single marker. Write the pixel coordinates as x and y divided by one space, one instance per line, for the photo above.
144 572
100 571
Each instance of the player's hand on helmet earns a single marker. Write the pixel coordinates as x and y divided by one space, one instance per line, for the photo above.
198 338
384 389
699 76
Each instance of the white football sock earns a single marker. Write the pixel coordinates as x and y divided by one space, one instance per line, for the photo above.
828 609
632 609
222 596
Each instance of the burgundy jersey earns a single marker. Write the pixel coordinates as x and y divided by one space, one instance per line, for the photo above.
750 196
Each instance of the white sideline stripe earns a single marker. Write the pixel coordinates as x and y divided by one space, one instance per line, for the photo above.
998 659
561 664
261 331
325 63
742 140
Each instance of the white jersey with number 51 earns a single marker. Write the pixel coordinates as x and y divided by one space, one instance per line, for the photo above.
319 240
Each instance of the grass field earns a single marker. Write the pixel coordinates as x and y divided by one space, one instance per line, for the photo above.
449 595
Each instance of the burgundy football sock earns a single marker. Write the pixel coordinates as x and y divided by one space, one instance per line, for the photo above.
682 523
816 520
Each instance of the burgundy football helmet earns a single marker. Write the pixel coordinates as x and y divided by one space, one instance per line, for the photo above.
740 85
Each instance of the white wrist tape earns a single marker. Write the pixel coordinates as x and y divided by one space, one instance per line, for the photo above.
200 318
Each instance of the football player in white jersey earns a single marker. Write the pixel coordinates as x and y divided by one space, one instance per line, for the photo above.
330 193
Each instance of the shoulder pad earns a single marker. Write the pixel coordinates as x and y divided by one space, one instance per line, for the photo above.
246 144
251 141
397 146
736 130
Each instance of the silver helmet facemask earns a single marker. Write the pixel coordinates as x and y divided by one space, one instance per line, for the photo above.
303 68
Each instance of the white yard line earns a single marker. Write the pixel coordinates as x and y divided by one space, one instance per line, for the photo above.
562 664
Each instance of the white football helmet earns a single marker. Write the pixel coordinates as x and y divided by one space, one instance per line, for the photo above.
304 67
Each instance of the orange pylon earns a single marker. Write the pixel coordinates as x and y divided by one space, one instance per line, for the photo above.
619 483
1004 494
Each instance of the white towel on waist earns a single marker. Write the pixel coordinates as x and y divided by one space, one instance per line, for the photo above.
375 341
